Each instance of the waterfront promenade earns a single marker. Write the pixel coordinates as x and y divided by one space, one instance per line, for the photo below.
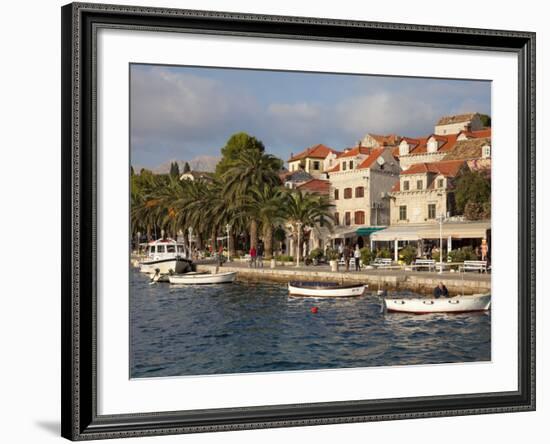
394 279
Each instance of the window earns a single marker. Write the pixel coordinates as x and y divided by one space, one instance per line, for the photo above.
180 248
316 165
431 211
351 164
344 166
347 218
486 152
152 249
439 183
402 212
405 185
160 248
360 192
432 146
347 193
336 219
171 248
336 194
418 184
359 217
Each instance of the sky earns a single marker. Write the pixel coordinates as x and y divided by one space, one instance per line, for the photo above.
179 113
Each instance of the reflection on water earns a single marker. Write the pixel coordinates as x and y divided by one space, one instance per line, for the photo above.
256 327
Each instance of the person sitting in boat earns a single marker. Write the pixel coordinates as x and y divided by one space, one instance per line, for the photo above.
441 290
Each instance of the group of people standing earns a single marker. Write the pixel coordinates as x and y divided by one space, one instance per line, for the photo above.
256 256
350 256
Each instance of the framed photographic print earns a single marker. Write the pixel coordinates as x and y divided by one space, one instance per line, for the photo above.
258 206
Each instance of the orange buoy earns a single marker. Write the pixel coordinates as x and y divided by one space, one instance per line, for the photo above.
314 309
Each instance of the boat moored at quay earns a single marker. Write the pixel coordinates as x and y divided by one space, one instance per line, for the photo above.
457 304
165 256
325 289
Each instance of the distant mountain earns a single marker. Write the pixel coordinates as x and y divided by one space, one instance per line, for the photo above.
199 163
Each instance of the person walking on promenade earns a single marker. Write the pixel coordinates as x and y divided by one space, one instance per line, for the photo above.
357 257
253 255
347 255
260 256
484 249
341 250
441 290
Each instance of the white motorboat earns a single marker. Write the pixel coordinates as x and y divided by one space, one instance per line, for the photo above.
194 278
457 304
325 289
165 256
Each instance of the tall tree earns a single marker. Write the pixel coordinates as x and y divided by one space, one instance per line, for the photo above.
472 187
267 203
186 168
251 168
174 169
485 120
307 210
235 145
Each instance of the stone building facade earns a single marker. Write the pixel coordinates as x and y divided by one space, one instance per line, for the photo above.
359 186
314 160
457 123
425 191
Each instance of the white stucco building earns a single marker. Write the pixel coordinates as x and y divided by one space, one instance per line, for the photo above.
359 186
314 160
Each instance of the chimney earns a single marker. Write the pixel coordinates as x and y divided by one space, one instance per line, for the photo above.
359 144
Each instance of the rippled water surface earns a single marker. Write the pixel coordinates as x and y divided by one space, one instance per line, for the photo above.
256 327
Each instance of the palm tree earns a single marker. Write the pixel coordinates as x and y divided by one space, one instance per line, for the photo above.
267 204
307 210
251 168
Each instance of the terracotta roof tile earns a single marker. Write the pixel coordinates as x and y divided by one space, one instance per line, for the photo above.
447 120
448 168
319 151
371 159
315 186
355 151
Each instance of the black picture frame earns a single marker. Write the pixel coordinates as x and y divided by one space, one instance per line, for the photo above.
80 22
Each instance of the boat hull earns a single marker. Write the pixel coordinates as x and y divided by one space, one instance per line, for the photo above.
325 291
203 278
165 266
458 304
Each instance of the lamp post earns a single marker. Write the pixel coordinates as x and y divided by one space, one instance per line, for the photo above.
299 224
227 229
441 219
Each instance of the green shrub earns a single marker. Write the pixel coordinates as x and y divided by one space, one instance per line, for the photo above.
316 253
284 258
367 256
384 253
332 254
408 254
463 254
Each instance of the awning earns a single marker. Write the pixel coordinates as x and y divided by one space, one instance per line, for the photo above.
457 230
367 231
343 233
400 232
413 232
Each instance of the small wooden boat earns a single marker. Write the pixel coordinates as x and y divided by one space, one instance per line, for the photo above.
325 289
195 278
457 304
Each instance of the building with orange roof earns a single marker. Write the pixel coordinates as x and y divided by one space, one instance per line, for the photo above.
359 183
314 160
425 191
459 122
